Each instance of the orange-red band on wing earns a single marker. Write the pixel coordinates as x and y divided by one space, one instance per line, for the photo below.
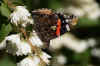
58 27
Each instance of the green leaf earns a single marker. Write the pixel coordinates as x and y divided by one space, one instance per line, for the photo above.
7 60
83 58
4 10
5 30
85 22
55 4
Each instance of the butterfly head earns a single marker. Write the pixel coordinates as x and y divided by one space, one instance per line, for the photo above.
67 21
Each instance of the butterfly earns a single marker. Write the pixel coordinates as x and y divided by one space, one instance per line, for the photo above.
50 24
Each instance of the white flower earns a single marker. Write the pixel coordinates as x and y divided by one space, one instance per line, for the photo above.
21 16
61 59
96 52
45 57
16 46
30 61
3 45
55 44
69 41
87 8
92 42
36 40
81 47
85 1
34 60
23 48
92 10
75 11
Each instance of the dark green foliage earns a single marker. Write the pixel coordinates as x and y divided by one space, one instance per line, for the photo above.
4 31
83 59
7 61
4 10
85 22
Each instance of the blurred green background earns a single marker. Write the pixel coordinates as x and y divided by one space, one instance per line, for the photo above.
88 26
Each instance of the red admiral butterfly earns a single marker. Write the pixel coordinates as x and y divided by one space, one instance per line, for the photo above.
49 24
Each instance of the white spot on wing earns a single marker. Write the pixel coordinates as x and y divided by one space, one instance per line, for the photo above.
67 20
68 28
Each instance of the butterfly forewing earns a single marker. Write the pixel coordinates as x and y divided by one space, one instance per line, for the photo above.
46 23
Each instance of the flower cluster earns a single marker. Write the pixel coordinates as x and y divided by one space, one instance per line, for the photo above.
21 16
88 8
71 42
21 43
34 60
